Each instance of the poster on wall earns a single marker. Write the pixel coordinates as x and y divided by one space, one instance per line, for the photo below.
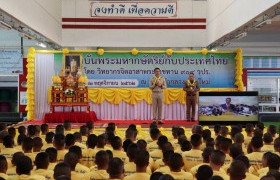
10 62
23 99
126 70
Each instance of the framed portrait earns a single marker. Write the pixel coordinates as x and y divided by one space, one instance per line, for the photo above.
72 63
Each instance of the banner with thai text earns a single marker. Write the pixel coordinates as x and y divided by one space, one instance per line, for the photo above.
126 70
10 62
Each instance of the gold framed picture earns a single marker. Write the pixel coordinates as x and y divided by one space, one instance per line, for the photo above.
72 63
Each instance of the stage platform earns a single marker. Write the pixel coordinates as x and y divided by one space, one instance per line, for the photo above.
119 123
74 117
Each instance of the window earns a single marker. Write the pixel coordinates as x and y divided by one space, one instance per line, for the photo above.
267 84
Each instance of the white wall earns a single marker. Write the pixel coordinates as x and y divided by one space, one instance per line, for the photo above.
134 37
44 16
224 16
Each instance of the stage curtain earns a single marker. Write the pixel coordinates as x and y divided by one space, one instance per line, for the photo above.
125 111
44 70
135 95
140 111
116 95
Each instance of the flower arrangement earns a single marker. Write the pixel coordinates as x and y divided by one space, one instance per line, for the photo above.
169 52
30 93
65 51
100 52
134 51
204 51
69 92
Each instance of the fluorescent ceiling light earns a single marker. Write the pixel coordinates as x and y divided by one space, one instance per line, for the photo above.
225 43
4 25
262 23
241 35
40 44
26 36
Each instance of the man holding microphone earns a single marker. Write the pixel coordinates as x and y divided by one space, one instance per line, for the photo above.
157 84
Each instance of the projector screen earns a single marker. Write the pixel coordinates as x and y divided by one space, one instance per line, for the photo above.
228 107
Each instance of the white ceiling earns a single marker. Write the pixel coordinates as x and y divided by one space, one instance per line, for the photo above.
11 38
263 41
267 33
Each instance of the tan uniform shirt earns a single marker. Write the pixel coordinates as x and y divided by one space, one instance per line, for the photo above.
156 88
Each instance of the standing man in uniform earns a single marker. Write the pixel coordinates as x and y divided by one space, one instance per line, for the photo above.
157 84
191 87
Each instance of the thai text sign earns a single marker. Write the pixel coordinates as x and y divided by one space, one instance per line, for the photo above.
138 9
10 62
126 70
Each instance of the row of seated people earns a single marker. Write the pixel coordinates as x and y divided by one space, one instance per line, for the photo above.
89 155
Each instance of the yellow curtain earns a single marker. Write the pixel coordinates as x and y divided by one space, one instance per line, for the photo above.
135 95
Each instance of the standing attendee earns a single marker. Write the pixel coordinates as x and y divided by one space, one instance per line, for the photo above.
191 87
157 84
